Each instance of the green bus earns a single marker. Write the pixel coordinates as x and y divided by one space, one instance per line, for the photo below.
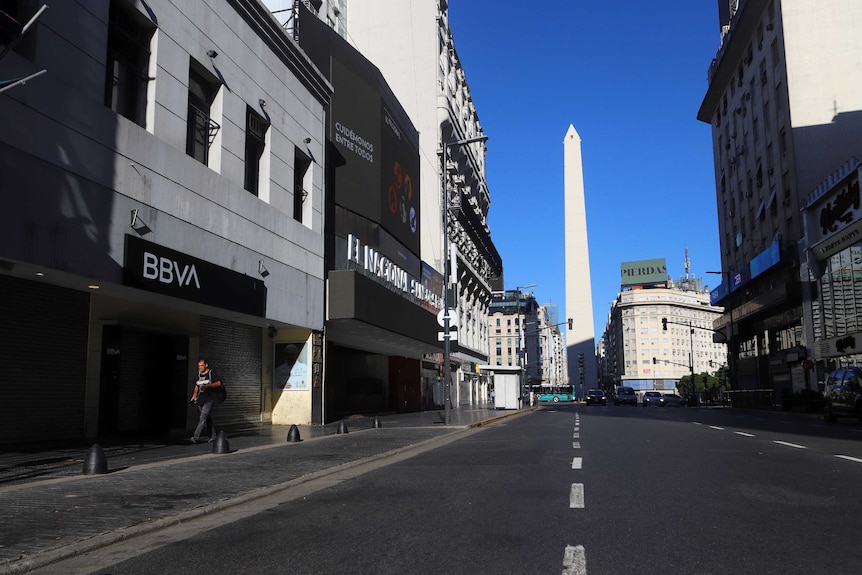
555 394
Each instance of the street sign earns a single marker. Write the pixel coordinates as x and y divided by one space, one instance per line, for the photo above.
453 335
453 318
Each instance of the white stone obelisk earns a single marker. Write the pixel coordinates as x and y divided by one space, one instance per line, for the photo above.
580 340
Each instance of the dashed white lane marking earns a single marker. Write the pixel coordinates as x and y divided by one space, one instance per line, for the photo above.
576 445
716 427
744 434
848 458
576 436
697 423
576 496
577 462
574 560
796 445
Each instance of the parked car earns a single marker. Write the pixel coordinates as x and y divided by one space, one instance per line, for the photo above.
625 396
842 395
674 400
651 398
596 396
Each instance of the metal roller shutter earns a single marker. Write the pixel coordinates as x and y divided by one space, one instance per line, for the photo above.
234 351
44 333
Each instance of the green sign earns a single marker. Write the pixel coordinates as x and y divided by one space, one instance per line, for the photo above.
643 272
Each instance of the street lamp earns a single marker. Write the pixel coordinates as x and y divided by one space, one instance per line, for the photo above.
447 293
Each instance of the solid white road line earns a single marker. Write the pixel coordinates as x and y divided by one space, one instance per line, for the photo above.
576 496
848 458
742 433
577 462
574 560
797 446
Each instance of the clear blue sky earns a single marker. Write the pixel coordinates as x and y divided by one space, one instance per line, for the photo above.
630 76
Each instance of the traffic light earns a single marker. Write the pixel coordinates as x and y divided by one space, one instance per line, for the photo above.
570 323
653 361
664 323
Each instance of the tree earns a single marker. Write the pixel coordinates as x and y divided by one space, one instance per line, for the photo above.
702 382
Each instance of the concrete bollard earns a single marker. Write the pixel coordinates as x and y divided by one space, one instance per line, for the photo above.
96 463
293 434
221 445
342 427
376 424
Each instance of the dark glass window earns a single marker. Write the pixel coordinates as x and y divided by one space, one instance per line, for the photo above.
201 129
302 163
128 59
255 141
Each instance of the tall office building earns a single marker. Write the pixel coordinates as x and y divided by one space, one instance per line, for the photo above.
580 340
784 101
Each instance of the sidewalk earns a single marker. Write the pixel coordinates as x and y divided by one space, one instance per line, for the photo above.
50 511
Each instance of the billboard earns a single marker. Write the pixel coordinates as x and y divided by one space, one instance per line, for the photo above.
377 163
643 272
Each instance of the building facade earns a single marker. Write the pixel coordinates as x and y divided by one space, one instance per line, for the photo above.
165 200
657 334
418 59
784 104
517 335
382 299
832 215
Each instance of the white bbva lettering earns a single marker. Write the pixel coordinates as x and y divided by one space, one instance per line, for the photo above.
166 271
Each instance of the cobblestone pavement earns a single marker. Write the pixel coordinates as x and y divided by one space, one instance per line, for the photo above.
50 510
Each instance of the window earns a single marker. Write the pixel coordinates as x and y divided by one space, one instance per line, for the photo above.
255 142
301 173
127 62
201 129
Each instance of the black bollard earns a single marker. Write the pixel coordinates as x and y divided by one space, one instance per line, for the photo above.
221 445
96 462
342 427
293 434
376 424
